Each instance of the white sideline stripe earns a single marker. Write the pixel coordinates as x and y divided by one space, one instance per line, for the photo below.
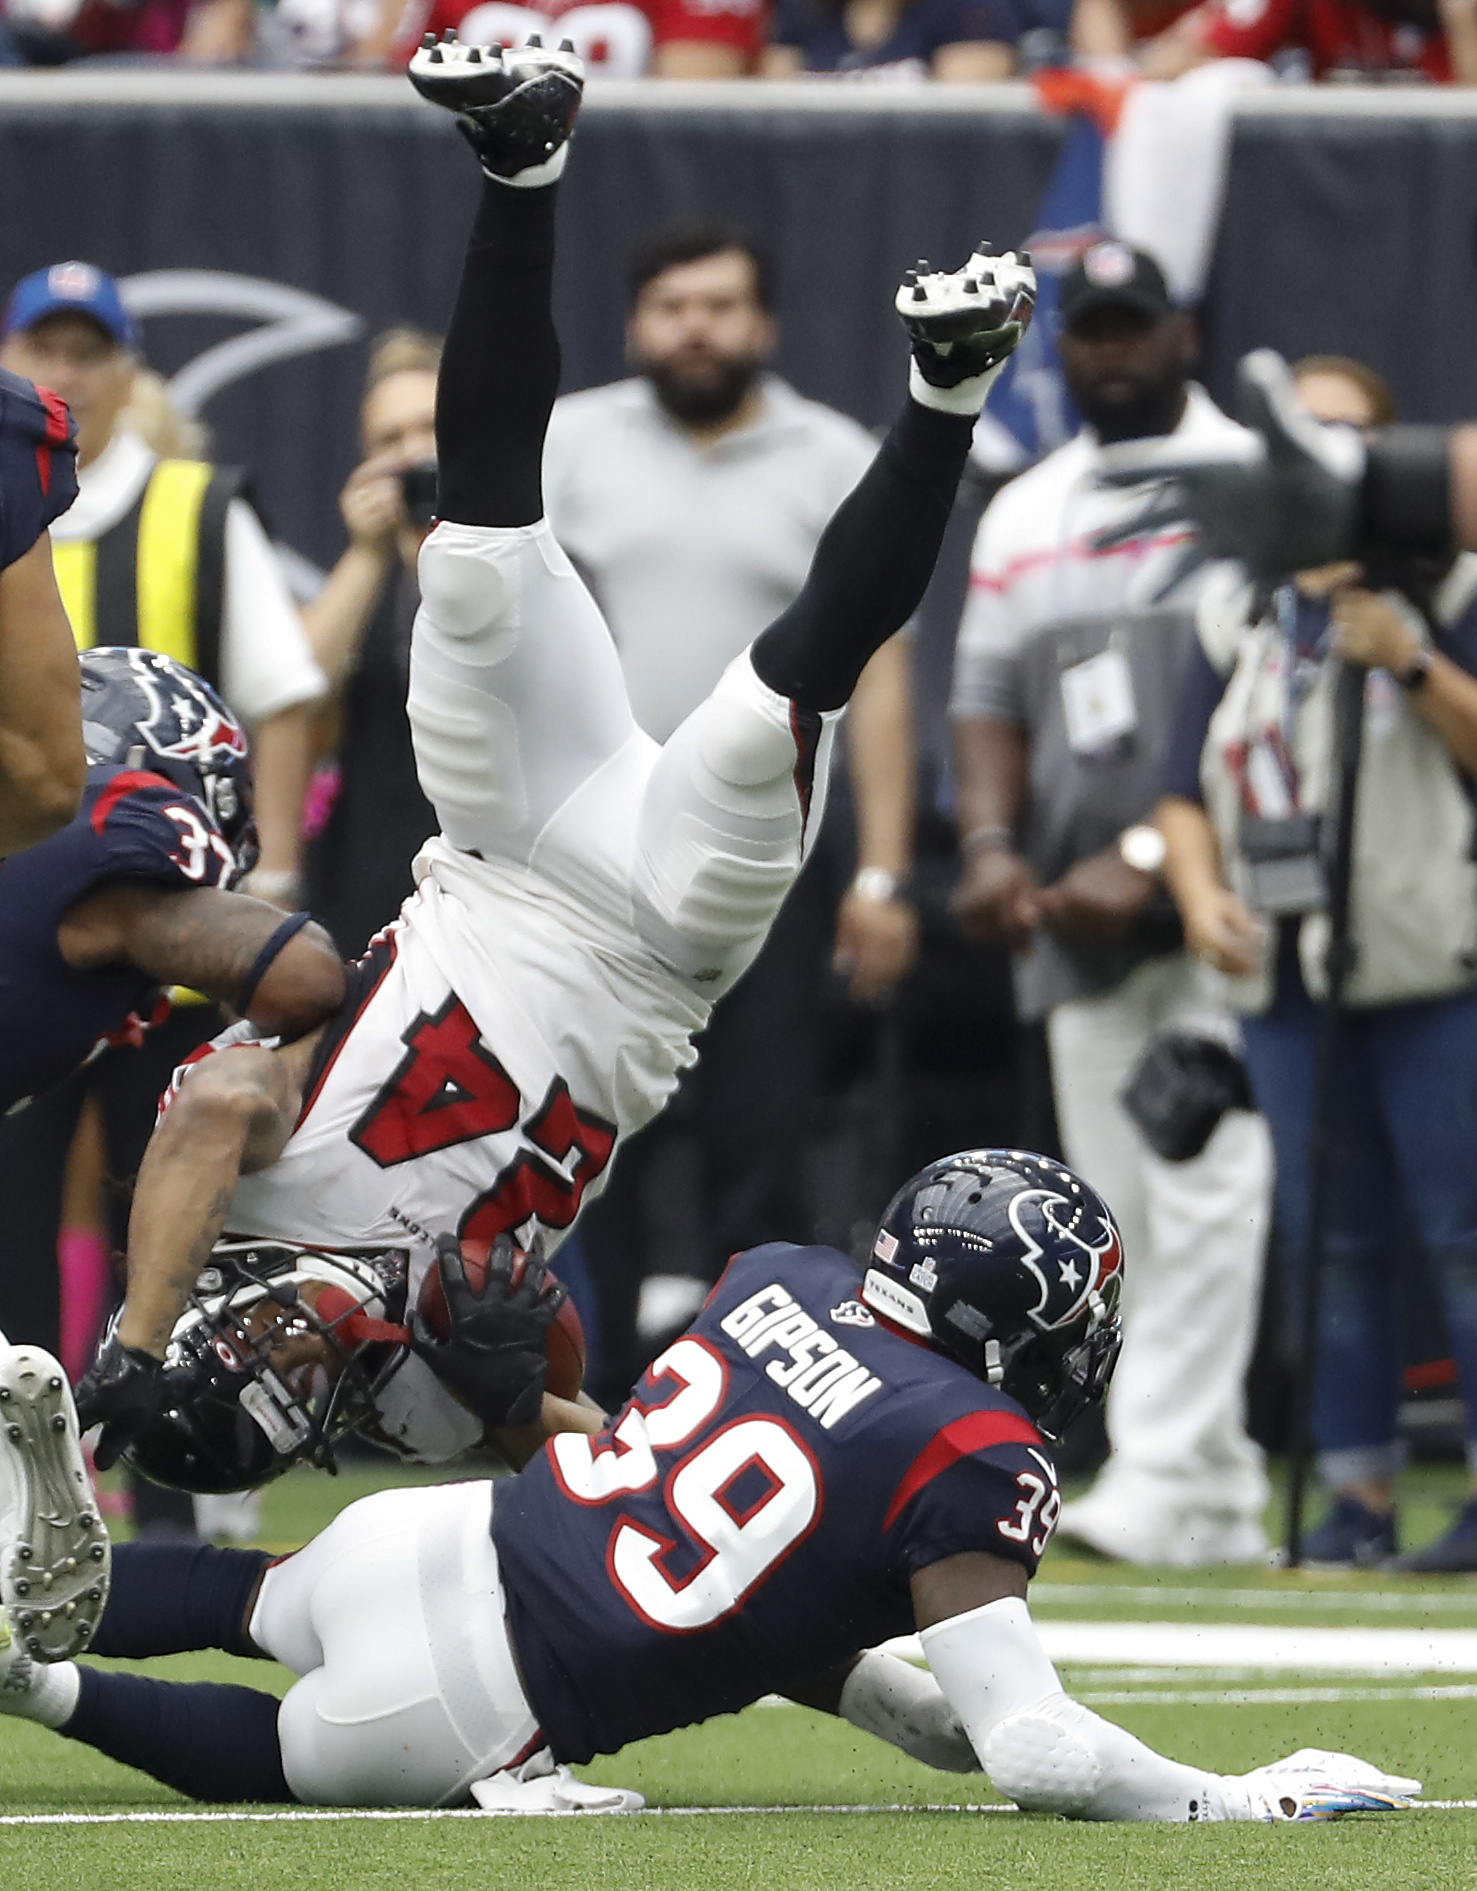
414 1815
1377 1601
1371 1651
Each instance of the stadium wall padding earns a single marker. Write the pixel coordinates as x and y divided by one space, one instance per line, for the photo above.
1345 233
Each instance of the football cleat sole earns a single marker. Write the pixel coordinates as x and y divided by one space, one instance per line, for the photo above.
515 108
55 1562
964 322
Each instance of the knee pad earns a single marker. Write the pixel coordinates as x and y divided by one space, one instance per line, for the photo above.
744 734
1047 1759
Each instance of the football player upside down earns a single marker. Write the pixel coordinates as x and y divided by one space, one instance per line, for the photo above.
590 893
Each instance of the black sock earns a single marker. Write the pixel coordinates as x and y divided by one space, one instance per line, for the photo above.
167 1598
872 564
211 1742
500 366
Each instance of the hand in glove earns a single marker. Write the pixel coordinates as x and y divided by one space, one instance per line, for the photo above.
121 1390
1311 1784
1286 501
493 1358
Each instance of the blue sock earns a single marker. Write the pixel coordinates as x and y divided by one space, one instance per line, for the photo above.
208 1741
168 1598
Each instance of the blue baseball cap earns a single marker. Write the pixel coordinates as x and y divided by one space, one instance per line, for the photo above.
70 289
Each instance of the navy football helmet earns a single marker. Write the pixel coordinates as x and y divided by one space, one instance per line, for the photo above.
237 1411
146 710
1010 1264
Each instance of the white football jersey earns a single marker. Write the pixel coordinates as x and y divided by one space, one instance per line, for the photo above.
505 1038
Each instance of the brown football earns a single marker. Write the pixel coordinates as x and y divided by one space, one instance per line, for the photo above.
564 1345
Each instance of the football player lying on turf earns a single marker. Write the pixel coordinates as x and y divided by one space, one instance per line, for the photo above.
590 894
825 1459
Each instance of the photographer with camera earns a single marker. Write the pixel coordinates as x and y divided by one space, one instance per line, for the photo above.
1246 820
359 625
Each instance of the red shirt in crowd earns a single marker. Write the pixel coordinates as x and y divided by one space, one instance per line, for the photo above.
616 37
1338 35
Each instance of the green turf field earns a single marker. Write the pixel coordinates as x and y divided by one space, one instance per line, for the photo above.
784 1763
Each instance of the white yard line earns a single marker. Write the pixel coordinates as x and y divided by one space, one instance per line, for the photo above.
305 1816
1252 1646
1414 1602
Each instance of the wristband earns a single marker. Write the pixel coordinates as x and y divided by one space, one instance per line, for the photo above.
264 960
980 837
1405 499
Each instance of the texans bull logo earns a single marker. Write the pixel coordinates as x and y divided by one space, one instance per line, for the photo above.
206 729
1042 1219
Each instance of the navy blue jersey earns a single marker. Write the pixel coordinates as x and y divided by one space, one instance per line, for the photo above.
132 826
38 464
756 1511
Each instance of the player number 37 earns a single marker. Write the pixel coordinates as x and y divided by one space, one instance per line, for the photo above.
746 1494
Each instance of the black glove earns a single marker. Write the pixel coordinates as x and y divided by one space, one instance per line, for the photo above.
1286 501
121 1390
494 1359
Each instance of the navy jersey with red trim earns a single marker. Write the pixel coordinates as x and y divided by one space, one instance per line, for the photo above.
132 826
38 463
756 1512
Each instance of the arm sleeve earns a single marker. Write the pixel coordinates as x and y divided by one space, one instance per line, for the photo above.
38 464
987 680
1201 689
267 664
1043 1749
1250 29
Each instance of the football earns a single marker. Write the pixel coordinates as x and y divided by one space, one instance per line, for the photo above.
564 1346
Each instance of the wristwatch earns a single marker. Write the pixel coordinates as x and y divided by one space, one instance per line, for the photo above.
876 885
1143 848
1413 676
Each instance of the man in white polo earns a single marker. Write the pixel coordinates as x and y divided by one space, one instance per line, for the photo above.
692 496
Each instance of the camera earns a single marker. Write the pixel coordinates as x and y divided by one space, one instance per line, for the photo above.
418 484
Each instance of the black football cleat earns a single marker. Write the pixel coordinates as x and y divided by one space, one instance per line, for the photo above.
516 108
54 1553
963 324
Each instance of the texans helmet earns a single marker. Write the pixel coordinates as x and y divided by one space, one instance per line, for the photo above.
146 710
237 1413
1010 1264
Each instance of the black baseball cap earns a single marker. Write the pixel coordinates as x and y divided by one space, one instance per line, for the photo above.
1113 275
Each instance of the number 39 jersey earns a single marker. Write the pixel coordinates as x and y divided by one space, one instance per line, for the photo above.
756 1512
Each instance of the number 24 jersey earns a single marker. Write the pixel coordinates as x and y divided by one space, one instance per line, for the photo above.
756 1512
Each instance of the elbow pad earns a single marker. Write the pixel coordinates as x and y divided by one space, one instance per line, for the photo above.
1039 1747
905 1706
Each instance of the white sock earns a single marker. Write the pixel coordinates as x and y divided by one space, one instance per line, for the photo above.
49 1694
535 176
968 398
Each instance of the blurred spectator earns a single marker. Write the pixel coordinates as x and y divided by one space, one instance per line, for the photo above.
1350 39
360 625
1107 32
622 39
1065 677
164 551
706 477
952 40
1248 765
55 32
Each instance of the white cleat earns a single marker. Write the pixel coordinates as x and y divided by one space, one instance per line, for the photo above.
54 1554
516 108
964 323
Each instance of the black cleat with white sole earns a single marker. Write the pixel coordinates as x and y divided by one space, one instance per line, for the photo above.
965 322
54 1553
516 108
